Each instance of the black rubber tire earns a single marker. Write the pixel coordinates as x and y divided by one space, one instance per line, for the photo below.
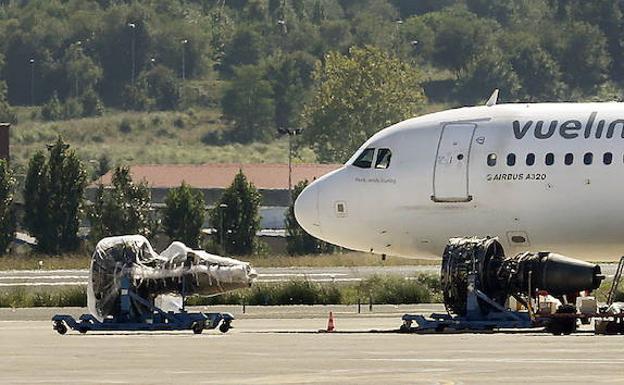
60 328
198 328
225 327
404 329
82 330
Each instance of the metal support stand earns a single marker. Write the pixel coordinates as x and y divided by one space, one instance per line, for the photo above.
131 319
487 315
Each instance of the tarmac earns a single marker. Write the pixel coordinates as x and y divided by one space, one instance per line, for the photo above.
282 345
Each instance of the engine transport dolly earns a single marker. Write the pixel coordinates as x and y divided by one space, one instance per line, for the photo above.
478 281
146 317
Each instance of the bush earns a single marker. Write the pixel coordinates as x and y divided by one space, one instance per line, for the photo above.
395 290
19 298
383 289
91 104
52 110
72 109
179 122
125 126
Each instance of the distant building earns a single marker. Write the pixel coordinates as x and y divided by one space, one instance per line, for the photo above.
271 180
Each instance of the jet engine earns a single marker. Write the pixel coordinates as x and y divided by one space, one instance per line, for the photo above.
178 270
482 263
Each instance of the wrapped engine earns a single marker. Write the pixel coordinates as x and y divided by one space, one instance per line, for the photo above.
178 270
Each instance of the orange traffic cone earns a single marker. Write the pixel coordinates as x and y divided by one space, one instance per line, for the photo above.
330 323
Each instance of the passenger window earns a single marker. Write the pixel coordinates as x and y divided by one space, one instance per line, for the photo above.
530 159
568 159
511 160
491 160
607 158
365 160
550 159
383 158
588 158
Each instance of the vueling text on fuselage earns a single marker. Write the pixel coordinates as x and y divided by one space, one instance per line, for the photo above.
570 129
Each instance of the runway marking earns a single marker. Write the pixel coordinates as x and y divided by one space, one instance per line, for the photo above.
73 271
301 274
500 360
31 278
316 280
81 283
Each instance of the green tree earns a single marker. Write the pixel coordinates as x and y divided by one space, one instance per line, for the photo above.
184 214
236 213
357 95
7 212
488 71
288 89
53 109
91 103
80 70
53 195
584 59
162 87
460 36
157 88
247 102
7 115
538 73
298 241
121 210
245 48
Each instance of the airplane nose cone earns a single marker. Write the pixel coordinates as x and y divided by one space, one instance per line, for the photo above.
306 210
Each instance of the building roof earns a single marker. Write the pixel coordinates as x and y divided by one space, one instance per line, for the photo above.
265 176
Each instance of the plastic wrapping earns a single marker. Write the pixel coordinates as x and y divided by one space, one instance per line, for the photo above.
178 270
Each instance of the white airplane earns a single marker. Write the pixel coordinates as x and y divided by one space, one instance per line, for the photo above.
547 176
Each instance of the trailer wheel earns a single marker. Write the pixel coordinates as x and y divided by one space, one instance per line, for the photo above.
224 327
60 327
198 327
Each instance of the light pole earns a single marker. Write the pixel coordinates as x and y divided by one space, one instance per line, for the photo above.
132 44
222 208
283 25
398 23
32 81
78 47
184 43
290 132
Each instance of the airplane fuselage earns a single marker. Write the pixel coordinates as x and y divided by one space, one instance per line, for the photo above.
539 176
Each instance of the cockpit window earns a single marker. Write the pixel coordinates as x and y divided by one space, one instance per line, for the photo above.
383 158
365 160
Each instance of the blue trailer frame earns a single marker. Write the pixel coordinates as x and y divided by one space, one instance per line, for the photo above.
154 320
497 317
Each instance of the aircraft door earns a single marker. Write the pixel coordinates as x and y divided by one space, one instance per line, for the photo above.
450 174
